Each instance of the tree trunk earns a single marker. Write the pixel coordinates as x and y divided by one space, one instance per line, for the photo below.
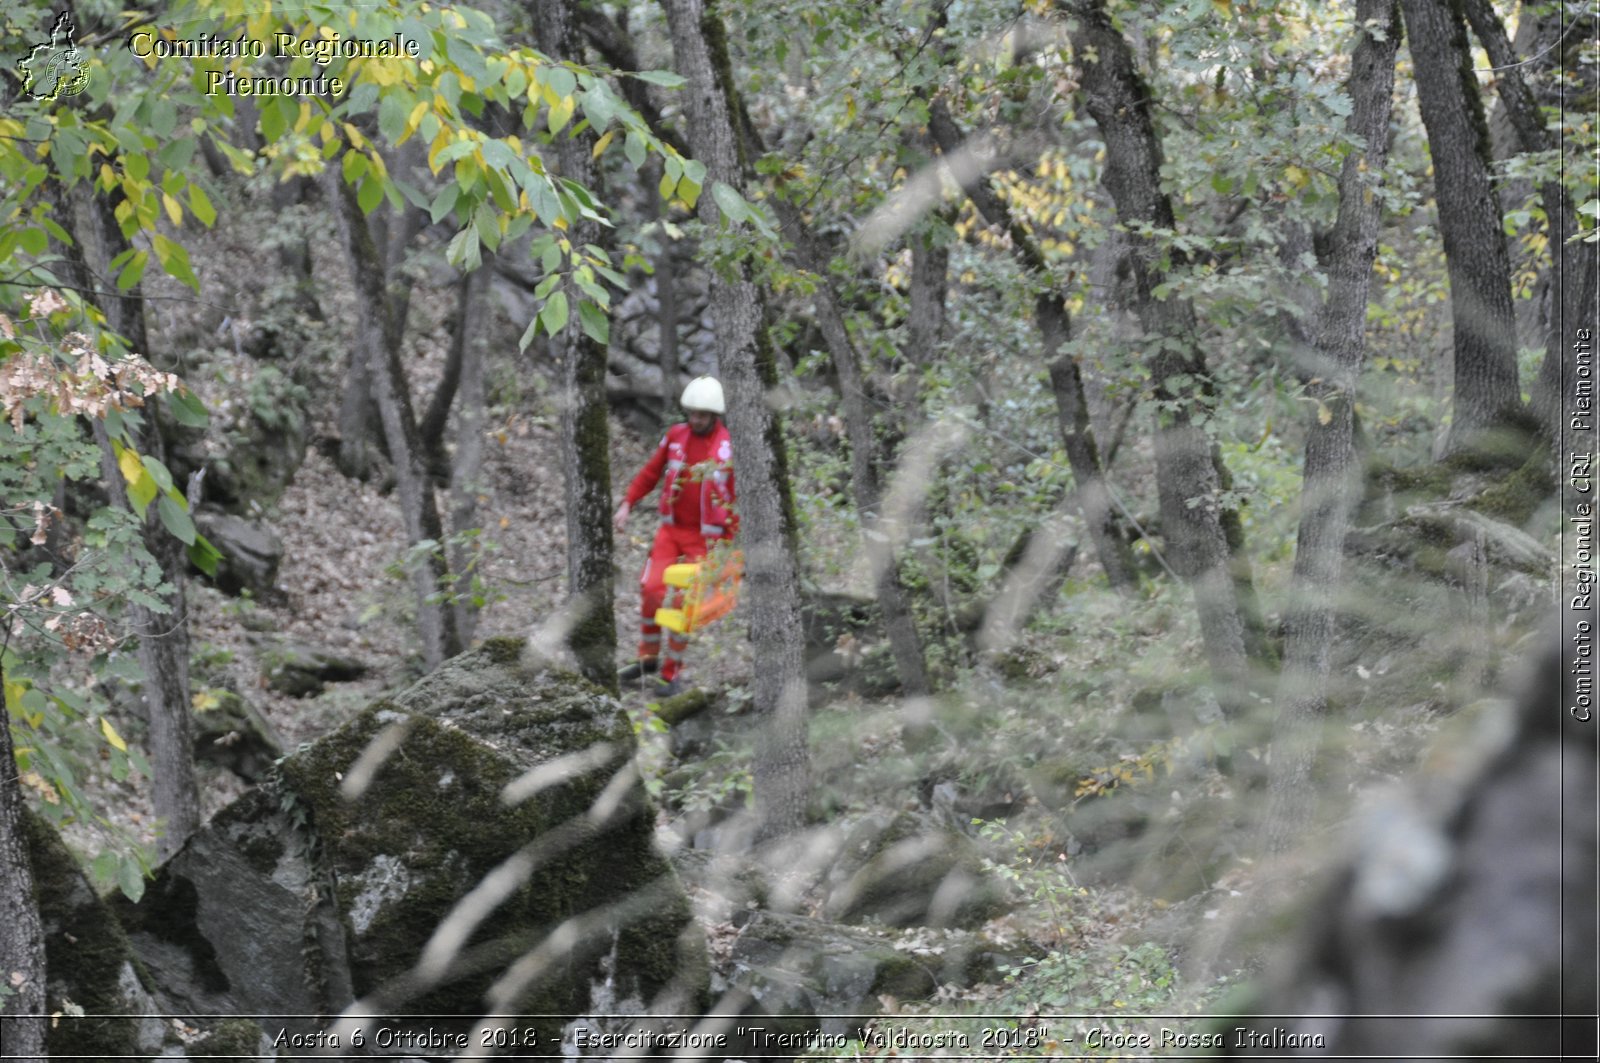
930 269
1055 329
294 254
771 594
1572 266
666 307
22 1016
378 347
1331 484
1470 221
585 436
431 429
163 636
1202 533
898 622
466 466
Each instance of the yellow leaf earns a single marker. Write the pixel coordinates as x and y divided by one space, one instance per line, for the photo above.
128 461
1324 415
204 701
561 114
174 211
111 735
602 144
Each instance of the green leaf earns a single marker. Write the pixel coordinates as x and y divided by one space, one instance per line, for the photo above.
104 868
176 519
203 556
730 202
353 166
596 325
393 107
371 194
467 59
633 149
174 258
562 81
272 124
187 409
131 880
599 105
665 78
498 155
133 270
554 314
528 333
445 201
200 205
33 241
463 251
158 472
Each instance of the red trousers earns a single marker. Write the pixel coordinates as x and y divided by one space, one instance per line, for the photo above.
672 545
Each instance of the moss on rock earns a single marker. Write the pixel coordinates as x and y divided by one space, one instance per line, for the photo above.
88 959
432 824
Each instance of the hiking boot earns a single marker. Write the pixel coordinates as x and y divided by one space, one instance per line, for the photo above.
666 688
639 669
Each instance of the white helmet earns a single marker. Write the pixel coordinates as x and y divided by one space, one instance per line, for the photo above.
703 393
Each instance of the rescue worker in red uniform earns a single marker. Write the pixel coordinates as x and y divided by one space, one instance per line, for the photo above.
696 513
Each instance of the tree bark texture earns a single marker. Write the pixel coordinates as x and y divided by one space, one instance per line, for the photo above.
899 625
163 637
361 423
771 593
930 279
466 466
1470 222
667 324
377 345
21 933
1066 383
1331 480
585 435
1204 536
1572 265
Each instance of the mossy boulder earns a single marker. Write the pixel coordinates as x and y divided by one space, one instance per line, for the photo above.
304 671
232 733
240 922
438 818
89 962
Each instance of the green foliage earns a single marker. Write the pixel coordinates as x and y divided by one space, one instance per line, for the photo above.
462 556
68 580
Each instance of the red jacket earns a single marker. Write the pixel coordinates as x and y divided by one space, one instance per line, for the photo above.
699 489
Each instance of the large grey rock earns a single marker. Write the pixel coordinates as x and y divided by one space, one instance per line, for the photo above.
328 885
238 922
89 962
304 671
433 824
251 552
234 734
